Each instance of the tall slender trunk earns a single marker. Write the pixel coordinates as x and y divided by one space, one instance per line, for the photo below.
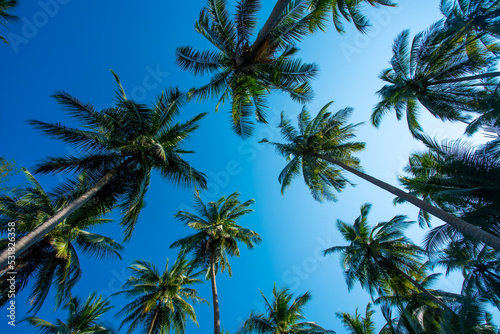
271 22
461 225
389 265
214 296
469 78
151 327
40 231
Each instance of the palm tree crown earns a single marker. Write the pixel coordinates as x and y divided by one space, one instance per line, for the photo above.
82 318
129 138
480 267
325 135
375 252
52 261
321 148
284 315
217 232
473 19
357 324
161 300
217 237
459 179
243 72
120 147
5 7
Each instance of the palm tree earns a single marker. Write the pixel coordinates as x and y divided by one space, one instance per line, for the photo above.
381 255
243 72
122 145
348 9
217 237
5 17
82 318
459 179
411 298
480 267
470 315
488 108
473 20
417 313
437 73
161 300
356 324
412 319
284 315
321 148
51 262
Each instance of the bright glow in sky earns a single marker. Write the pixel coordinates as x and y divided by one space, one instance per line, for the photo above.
72 45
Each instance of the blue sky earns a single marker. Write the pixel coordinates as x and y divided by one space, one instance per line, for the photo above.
71 45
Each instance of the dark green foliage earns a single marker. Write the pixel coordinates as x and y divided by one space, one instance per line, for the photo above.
357 324
82 318
488 108
6 6
459 179
284 315
130 139
377 256
326 134
244 73
7 170
161 301
473 20
350 10
53 261
434 72
480 267
217 234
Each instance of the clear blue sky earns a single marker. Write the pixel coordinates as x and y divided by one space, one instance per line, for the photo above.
72 46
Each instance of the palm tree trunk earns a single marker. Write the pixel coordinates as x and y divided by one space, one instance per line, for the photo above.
389 265
461 225
151 327
215 296
40 231
271 22
469 78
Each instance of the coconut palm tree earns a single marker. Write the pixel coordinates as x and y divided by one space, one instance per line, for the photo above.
380 254
245 72
410 298
217 236
434 72
480 267
459 179
284 315
82 318
356 324
349 10
321 148
161 301
7 6
53 261
121 145
473 20
416 312
469 315
488 108
7 170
